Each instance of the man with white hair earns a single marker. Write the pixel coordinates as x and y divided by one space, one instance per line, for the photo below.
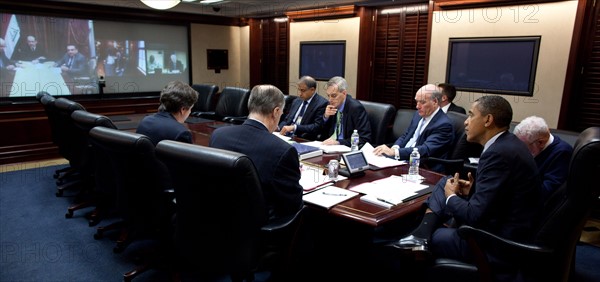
552 155
430 130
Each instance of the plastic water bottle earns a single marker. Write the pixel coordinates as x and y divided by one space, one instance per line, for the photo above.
354 140
415 159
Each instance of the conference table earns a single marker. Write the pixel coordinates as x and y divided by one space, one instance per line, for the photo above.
353 209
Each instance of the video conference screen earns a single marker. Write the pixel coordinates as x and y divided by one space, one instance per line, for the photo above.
66 56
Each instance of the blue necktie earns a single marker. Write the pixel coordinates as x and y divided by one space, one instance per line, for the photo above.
302 109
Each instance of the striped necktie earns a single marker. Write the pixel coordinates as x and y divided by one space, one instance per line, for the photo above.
301 113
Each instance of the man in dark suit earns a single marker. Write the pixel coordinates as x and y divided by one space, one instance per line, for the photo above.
276 161
32 52
448 95
504 200
430 130
73 62
176 102
552 155
343 115
305 118
174 65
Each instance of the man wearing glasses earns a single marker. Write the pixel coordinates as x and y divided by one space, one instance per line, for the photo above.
343 115
73 62
305 116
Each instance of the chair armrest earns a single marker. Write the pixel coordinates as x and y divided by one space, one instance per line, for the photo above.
210 115
508 246
284 222
235 120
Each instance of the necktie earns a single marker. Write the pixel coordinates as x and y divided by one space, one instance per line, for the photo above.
301 113
418 132
338 126
70 62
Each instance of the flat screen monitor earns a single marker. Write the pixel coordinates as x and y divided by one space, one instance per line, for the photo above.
355 162
132 58
501 65
322 59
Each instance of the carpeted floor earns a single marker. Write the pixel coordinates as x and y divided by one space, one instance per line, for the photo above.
37 242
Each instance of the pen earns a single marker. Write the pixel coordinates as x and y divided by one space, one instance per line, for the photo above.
385 201
334 194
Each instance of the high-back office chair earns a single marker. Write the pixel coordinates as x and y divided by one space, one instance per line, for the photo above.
400 124
289 99
550 257
380 116
84 122
71 147
140 184
206 97
47 102
220 224
232 106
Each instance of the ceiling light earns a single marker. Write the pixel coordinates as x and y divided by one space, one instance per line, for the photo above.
280 20
392 11
210 1
161 4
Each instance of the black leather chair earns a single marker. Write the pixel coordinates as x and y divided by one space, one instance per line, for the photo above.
96 161
400 124
47 102
381 116
220 227
206 97
289 99
232 106
142 185
70 146
551 255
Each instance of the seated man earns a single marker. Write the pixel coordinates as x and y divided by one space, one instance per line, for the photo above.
505 199
176 102
305 118
430 130
552 155
33 52
348 115
276 160
448 95
73 62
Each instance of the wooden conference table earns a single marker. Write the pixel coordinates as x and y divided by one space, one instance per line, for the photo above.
353 209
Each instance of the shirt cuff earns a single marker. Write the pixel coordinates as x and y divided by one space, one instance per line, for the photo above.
396 152
449 198
295 126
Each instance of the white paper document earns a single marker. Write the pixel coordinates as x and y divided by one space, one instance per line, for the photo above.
283 137
378 161
328 149
392 190
328 196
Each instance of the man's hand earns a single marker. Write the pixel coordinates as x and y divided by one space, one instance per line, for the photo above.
330 111
331 142
286 129
457 186
384 150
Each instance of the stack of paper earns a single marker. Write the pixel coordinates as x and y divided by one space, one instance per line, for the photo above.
329 149
378 161
389 191
328 196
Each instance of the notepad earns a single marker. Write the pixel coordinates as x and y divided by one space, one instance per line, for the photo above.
311 177
328 196
329 149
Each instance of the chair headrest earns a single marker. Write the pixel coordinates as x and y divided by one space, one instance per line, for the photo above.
124 141
90 120
68 105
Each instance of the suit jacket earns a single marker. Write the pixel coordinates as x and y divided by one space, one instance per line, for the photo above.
178 65
26 54
275 160
553 164
163 126
354 117
435 140
79 66
455 108
507 197
312 120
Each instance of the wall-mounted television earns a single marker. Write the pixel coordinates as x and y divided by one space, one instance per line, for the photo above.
133 58
500 65
322 59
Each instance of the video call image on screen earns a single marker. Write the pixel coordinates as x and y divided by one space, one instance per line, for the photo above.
65 56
